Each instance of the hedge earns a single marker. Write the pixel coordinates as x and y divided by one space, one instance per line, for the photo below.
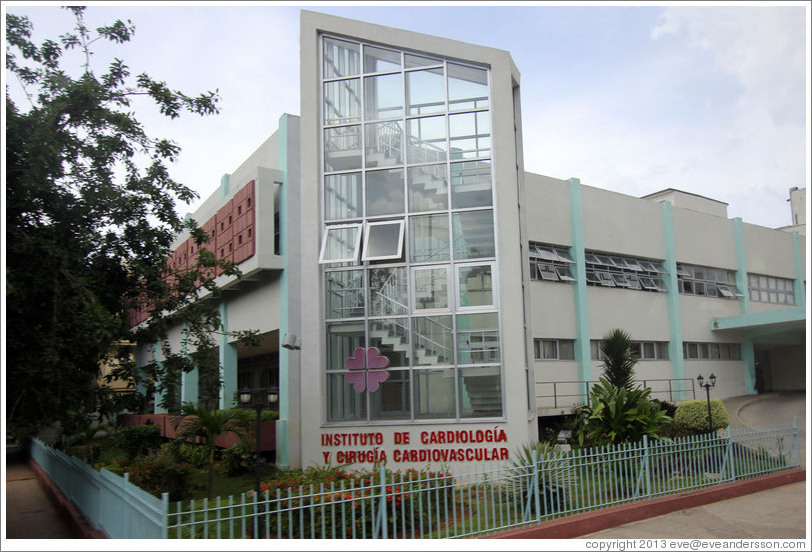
693 415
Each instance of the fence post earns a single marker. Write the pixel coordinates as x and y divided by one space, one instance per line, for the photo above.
730 456
535 483
164 516
382 525
646 466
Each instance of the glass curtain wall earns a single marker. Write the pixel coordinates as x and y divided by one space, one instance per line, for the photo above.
408 251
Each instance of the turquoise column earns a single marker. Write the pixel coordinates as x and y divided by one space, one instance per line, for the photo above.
674 316
741 272
225 182
282 433
748 351
798 286
583 354
189 388
228 361
158 395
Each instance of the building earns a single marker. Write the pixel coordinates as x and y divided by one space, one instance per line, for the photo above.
424 300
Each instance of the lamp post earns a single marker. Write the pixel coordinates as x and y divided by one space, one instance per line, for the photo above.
707 386
246 397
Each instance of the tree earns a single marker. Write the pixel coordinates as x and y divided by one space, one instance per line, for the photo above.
90 218
199 421
619 359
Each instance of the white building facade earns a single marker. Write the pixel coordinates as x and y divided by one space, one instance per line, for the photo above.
412 312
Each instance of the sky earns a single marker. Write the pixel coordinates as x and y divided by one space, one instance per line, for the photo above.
711 99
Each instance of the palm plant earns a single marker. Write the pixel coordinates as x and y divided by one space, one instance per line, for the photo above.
555 477
199 422
619 359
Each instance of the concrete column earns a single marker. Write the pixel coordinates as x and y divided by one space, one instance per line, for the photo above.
674 316
228 362
583 354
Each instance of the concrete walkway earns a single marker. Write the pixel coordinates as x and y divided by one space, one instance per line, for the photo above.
778 513
30 512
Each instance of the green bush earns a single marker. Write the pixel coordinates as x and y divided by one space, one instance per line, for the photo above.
196 455
413 498
692 415
237 459
138 440
89 452
555 477
618 415
157 474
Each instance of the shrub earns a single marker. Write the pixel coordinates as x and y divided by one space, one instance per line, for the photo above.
138 440
89 452
692 415
157 474
237 459
555 476
412 499
196 455
618 415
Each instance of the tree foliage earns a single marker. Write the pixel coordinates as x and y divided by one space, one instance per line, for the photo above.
90 219
619 358
200 422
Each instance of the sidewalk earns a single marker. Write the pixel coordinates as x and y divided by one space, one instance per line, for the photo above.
30 512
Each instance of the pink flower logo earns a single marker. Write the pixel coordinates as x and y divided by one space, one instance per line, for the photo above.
361 369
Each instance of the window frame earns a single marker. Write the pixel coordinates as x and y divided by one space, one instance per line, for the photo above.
368 232
356 248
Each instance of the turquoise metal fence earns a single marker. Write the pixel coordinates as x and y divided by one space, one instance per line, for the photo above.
415 505
109 502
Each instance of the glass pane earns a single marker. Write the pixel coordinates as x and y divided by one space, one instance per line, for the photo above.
384 241
342 148
391 400
426 140
432 340
342 340
385 193
480 392
649 350
391 337
341 244
549 350
428 188
343 403
434 393
378 59
470 135
475 286
345 294
429 238
467 87
341 58
384 144
388 291
471 184
430 288
473 235
420 61
342 196
342 102
566 350
478 338
425 92
383 96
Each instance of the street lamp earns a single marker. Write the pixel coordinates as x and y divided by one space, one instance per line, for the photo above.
246 397
707 386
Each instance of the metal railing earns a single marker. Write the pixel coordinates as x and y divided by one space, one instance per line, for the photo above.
414 505
567 394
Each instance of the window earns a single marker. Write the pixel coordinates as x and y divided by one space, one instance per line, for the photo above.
554 349
406 146
644 350
711 351
706 281
340 244
551 263
769 289
621 271
384 240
